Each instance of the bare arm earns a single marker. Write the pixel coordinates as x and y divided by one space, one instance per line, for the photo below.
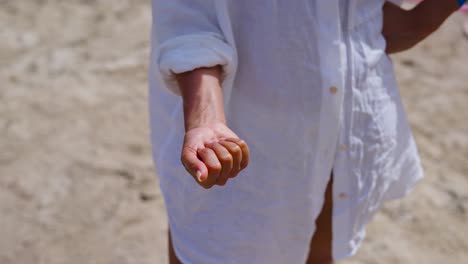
211 152
404 29
188 41
202 97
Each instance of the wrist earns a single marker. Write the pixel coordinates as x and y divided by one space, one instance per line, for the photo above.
204 108
202 97
204 122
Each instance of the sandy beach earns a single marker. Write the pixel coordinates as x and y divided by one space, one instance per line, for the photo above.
77 183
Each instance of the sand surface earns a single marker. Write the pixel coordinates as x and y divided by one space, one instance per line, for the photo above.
77 183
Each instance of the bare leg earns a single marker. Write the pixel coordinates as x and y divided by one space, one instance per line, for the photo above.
172 256
321 244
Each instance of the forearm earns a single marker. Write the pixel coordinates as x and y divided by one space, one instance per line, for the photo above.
202 96
403 29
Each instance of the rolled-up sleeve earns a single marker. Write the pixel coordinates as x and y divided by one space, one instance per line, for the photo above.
186 36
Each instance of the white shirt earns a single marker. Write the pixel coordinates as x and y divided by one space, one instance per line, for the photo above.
310 88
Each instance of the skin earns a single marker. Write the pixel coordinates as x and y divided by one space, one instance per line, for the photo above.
403 29
320 249
213 154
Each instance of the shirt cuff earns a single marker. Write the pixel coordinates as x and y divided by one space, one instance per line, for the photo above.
189 52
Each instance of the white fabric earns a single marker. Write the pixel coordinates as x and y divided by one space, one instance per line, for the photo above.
281 59
396 2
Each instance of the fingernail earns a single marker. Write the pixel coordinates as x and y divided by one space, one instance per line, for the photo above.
199 174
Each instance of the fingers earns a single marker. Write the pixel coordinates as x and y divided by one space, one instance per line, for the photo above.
208 156
244 149
217 162
225 157
236 153
193 164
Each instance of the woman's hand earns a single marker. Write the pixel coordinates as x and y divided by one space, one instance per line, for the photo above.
213 154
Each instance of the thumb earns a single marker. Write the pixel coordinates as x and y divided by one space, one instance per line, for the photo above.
193 165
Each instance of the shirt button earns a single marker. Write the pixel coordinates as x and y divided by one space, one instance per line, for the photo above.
343 147
333 90
342 195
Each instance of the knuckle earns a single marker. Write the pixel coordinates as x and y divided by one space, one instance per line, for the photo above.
226 158
203 150
216 168
236 149
242 143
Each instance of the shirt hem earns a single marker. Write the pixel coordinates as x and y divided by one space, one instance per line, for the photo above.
416 175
